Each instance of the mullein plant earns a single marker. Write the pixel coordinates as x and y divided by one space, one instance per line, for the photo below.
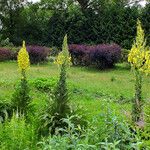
21 98
60 107
139 58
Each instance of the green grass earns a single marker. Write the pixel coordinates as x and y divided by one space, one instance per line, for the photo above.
92 88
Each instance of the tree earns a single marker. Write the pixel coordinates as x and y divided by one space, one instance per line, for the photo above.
10 14
96 4
145 17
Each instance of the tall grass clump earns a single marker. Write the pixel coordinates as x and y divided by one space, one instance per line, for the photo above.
16 134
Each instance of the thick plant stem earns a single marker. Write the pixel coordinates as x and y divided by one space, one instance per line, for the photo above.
137 102
23 73
21 98
61 93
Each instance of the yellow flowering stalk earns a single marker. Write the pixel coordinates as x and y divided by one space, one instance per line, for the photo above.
23 58
60 107
139 55
139 58
64 57
21 98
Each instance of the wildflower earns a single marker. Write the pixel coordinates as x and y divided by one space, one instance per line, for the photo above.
64 57
23 58
139 56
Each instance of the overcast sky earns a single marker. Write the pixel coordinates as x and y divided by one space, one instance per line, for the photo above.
142 3
34 0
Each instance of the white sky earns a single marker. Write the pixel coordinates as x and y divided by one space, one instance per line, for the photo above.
142 3
33 0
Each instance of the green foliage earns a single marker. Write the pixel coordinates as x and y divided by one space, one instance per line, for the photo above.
21 98
147 115
146 130
54 51
5 110
49 20
124 55
16 134
104 132
44 84
5 43
10 18
61 94
145 18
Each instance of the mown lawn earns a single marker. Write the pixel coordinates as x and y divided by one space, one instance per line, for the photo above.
91 89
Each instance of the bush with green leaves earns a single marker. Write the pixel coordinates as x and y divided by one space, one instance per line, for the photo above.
44 84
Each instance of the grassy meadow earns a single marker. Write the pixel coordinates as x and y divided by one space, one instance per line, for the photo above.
91 89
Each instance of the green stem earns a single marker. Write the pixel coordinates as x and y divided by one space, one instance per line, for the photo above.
23 73
137 103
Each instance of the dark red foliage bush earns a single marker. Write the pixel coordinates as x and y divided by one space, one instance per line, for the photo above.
38 53
102 56
5 54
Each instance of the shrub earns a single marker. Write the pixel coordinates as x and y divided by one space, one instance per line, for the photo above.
38 53
5 54
78 53
105 56
102 56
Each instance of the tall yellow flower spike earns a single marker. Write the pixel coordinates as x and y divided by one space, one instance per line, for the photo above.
63 56
23 58
139 56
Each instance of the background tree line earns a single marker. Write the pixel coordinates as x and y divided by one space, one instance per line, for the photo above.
85 21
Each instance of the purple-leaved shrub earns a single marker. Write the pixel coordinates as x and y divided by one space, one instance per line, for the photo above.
102 56
5 54
37 54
